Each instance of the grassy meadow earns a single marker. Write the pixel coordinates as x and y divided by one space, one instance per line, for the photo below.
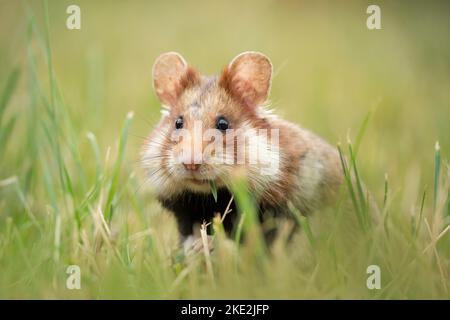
76 106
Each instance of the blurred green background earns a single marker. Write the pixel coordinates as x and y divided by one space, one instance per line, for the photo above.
330 71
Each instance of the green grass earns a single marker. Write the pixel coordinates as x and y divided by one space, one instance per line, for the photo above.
75 104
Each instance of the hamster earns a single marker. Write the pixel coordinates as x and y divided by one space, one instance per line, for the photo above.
214 127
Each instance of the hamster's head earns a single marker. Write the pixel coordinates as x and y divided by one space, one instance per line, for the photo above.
209 124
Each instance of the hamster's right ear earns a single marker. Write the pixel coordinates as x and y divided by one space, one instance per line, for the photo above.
171 76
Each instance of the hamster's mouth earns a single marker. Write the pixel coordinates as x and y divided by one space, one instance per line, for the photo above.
199 181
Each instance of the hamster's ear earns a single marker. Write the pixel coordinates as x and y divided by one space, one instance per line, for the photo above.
171 76
248 78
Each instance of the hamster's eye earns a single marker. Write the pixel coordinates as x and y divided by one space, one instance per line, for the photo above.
222 124
179 123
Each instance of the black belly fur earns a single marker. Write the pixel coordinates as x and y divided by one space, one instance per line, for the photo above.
190 208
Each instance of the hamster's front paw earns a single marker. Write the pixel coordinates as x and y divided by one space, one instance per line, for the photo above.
193 245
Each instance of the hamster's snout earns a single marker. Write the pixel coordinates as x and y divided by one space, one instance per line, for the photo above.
191 166
189 158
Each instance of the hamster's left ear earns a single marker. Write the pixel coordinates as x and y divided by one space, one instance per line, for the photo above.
248 78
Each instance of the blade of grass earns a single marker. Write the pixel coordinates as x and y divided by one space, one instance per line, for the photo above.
244 202
238 234
348 180
8 91
206 252
420 218
249 217
218 228
96 150
117 167
448 203
362 131
437 169
48 50
303 222
5 133
385 209
49 186
212 186
362 198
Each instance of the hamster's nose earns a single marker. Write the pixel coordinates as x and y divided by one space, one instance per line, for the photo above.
191 166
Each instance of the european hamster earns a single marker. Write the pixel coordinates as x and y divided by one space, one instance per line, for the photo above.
214 127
